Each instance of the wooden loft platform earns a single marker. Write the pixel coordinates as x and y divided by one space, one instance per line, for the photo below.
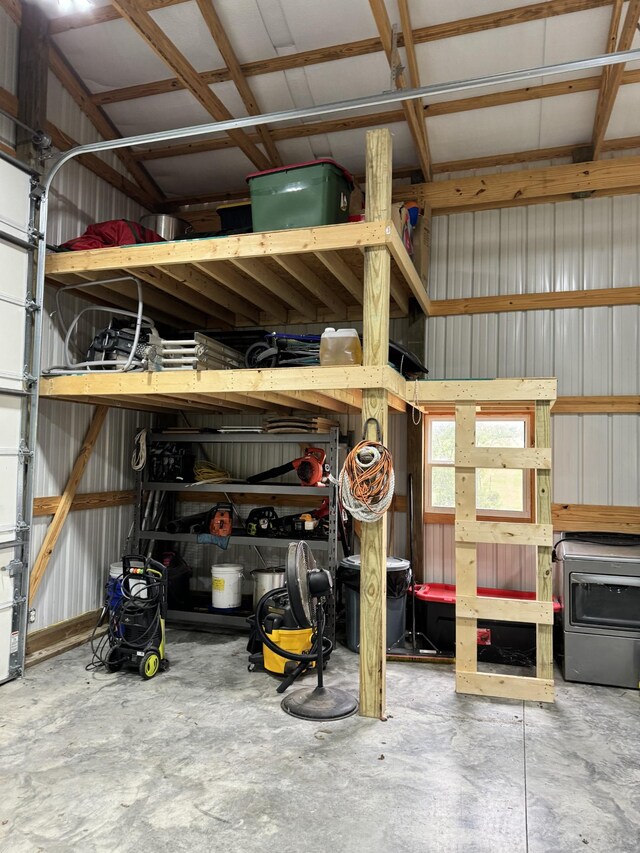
295 276
330 389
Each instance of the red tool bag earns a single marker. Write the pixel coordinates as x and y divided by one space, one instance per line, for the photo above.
114 232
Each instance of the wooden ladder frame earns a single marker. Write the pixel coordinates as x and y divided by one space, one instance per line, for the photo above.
469 532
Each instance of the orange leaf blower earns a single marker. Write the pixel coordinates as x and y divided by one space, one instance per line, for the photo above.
312 469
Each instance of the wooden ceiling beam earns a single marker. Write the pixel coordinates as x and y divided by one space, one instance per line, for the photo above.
219 35
62 141
155 37
478 102
13 8
412 110
348 50
98 118
612 80
102 15
530 186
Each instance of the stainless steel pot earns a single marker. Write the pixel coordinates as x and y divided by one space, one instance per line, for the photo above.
169 227
264 580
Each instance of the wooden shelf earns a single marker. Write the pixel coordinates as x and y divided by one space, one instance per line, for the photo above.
292 276
332 389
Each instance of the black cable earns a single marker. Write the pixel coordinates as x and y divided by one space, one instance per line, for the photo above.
327 645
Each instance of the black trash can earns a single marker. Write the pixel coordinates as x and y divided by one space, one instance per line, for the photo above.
398 580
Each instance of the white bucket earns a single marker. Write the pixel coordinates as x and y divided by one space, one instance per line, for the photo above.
226 585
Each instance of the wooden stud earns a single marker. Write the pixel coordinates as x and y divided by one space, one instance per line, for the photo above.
587 518
223 300
612 80
297 269
219 35
505 686
266 277
504 532
503 609
466 552
481 391
33 45
596 298
411 109
544 577
373 542
620 404
155 37
228 276
60 516
421 35
504 457
338 267
87 500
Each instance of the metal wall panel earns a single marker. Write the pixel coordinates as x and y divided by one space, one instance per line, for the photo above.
583 244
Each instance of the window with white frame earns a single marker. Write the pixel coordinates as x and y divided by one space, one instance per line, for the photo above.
500 492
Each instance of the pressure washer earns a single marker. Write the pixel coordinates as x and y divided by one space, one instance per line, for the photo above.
136 612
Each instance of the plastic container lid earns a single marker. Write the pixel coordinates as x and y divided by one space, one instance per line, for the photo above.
445 593
347 175
394 564
341 333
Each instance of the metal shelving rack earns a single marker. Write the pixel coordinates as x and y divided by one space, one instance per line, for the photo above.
329 547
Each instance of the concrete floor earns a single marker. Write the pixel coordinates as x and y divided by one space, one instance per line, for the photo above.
203 759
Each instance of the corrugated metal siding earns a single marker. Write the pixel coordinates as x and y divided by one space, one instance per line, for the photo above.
576 245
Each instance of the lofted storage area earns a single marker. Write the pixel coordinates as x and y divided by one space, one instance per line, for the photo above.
319 425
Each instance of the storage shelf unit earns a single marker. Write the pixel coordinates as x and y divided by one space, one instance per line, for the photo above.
329 546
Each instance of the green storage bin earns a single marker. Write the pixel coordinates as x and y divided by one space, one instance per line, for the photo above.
300 196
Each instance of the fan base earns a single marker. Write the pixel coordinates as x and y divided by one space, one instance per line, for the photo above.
320 703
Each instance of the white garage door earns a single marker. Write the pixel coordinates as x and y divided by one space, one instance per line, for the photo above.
16 246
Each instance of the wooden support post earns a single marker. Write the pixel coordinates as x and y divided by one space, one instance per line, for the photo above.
466 552
544 579
373 547
55 528
33 69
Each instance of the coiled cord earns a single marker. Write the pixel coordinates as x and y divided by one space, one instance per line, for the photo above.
367 481
139 455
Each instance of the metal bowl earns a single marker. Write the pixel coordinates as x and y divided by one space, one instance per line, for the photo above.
169 227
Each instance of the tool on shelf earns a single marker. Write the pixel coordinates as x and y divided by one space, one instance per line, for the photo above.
312 469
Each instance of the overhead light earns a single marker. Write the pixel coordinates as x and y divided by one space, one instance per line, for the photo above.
66 6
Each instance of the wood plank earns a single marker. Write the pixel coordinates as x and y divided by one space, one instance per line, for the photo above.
504 533
102 15
466 552
33 73
81 502
228 381
504 457
246 289
159 42
422 35
102 123
414 119
436 391
44 638
261 244
592 517
619 404
613 78
595 298
297 268
276 285
505 686
343 273
222 301
13 8
373 540
504 609
408 270
220 37
610 46
193 302
544 571
523 187
55 528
